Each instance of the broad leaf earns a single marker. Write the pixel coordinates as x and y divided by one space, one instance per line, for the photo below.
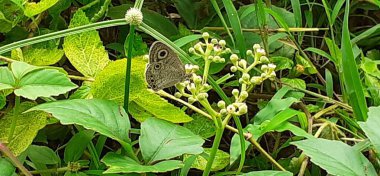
27 126
274 106
45 53
85 50
34 8
161 140
102 116
32 82
6 167
201 126
42 154
77 144
122 164
109 84
372 127
268 173
336 157
295 82
221 160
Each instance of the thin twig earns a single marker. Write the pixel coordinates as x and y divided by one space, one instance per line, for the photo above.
269 30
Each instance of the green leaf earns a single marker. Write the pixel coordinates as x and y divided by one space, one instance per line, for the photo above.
161 140
122 164
221 160
109 84
353 85
5 24
201 125
85 50
27 126
77 144
336 157
42 154
321 53
152 104
6 79
295 82
33 82
273 107
234 20
6 167
34 8
268 173
372 127
282 63
102 116
45 53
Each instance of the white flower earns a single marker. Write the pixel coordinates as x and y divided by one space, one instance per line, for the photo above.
134 16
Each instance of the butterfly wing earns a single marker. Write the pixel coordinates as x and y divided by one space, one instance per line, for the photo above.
161 52
160 76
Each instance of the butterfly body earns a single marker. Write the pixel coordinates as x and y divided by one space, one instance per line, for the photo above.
164 68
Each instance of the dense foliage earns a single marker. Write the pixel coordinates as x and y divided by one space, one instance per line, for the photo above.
271 88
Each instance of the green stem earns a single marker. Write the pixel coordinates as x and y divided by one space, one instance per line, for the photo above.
62 33
214 149
14 120
129 41
14 159
207 68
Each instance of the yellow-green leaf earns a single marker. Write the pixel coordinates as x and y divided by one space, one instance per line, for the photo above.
109 84
34 8
27 126
85 51
222 159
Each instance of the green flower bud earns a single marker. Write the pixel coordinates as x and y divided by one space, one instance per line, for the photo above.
244 95
221 104
205 35
214 41
178 94
235 92
233 69
246 76
264 59
222 43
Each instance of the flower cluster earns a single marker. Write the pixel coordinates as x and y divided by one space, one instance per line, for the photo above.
210 50
259 57
134 16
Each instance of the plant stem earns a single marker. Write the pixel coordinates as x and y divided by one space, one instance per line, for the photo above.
269 30
129 41
62 33
248 136
14 120
214 149
14 159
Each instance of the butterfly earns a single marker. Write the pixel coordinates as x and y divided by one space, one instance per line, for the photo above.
164 69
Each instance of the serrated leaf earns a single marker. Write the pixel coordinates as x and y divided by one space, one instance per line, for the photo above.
85 51
282 63
34 8
221 160
161 140
27 126
122 164
102 116
110 83
336 157
40 54
201 125
372 127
